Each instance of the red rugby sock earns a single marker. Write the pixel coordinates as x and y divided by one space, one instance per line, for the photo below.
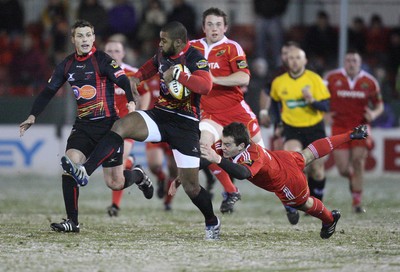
116 197
320 211
325 145
223 177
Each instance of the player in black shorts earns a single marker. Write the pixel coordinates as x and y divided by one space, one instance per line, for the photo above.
92 75
305 135
172 120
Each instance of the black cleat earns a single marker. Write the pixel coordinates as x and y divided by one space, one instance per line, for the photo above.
113 210
292 215
359 209
66 226
229 201
145 184
359 133
328 230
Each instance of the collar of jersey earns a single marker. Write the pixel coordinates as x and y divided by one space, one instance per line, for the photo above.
86 56
182 52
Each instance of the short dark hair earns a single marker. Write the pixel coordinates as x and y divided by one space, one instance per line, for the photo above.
217 12
81 23
352 51
292 43
175 31
238 132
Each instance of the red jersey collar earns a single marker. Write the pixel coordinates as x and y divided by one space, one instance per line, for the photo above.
184 50
86 56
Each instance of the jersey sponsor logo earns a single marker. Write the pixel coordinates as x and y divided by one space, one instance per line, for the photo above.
220 52
202 64
364 85
85 92
71 77
350 94
119 73
88 75
213 65
114 64
81 66
241 64
339 83
291 104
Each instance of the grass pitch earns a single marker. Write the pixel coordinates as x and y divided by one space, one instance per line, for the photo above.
257 237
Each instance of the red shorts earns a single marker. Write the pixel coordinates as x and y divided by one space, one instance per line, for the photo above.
163 145
294 192
368 143
240 113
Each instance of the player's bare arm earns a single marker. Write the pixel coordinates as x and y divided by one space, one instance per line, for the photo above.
236 79
371 114
25 125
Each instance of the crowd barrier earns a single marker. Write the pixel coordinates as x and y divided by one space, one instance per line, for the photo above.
40 149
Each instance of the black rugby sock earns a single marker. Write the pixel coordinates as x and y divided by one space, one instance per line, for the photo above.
316 187
71 195
107 146
203 202
131 177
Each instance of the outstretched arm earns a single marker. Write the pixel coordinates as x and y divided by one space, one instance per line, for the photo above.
235 170
38 106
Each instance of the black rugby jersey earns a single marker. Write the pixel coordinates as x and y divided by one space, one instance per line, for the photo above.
92 79
193 60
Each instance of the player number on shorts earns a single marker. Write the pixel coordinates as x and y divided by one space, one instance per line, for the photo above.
288 193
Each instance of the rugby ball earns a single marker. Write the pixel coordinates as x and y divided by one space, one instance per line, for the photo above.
176 89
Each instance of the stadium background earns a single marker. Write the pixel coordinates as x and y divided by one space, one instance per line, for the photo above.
40 149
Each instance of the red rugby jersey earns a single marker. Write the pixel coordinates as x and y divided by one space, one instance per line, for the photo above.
269 169
120 98
224 58
350 97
